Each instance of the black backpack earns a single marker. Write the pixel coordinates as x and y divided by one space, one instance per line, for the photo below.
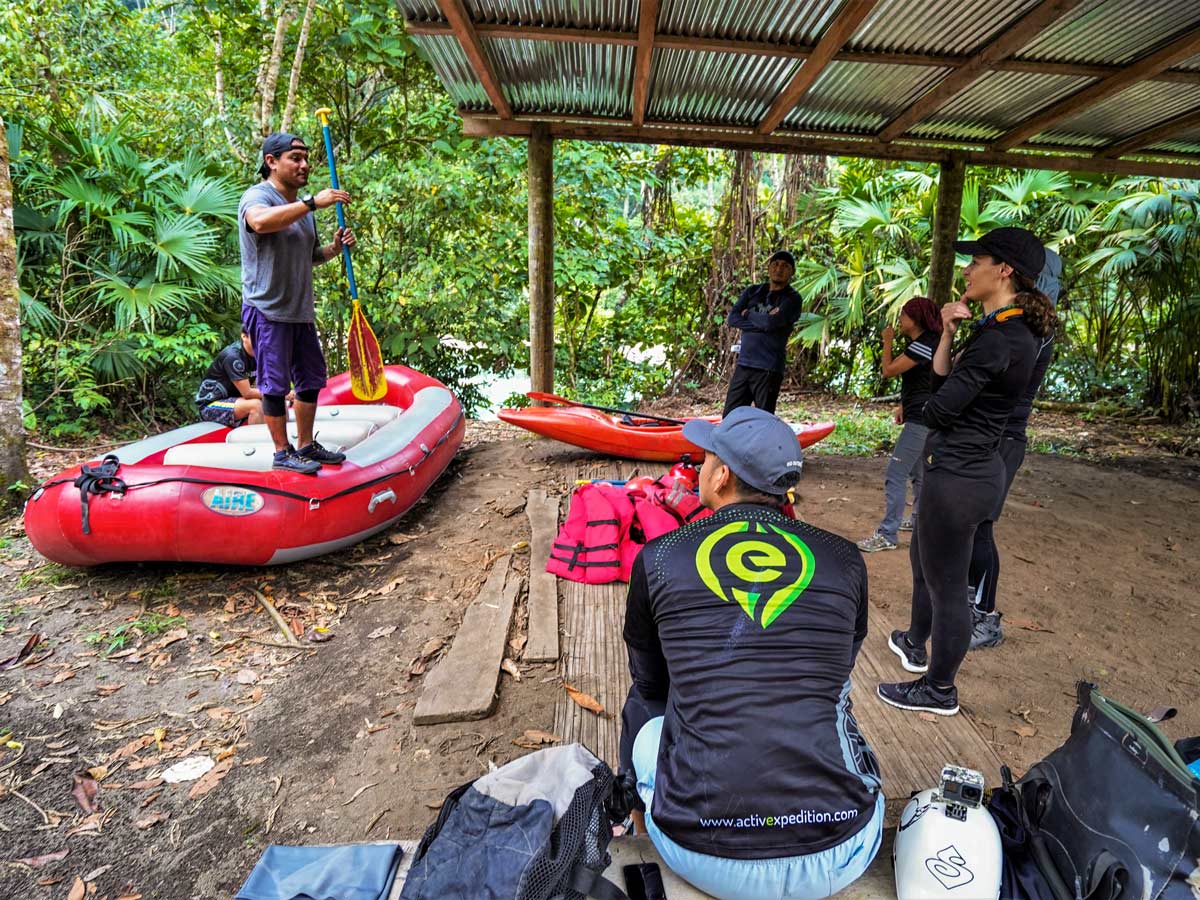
536 828
1112 814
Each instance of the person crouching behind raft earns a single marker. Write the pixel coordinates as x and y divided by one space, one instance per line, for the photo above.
964 474
225 395
921 323
742 629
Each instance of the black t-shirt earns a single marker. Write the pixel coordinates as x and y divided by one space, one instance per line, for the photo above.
914 384
747 623
1018 421
765 336
232 364
968 410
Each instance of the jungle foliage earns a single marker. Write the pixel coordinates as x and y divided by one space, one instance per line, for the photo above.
134 128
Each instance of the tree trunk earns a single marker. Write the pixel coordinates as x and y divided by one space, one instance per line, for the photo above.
289 108
219 77
271 77
12 428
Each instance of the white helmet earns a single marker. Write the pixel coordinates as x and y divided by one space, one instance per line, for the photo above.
946 850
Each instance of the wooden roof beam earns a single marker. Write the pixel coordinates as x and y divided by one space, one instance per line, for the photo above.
1175 52
849 17
463 28
1011 39
479 126
788 51
647 26
1150 136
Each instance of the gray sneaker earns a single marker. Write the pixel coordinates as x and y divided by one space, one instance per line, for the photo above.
875 543
906 524
985 630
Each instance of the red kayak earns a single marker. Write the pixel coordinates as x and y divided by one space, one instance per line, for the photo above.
629 436
207 493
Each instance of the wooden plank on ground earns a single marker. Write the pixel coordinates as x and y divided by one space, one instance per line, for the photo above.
463 684
542 645
593 651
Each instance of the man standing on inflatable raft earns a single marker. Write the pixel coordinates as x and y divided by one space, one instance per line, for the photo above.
278 236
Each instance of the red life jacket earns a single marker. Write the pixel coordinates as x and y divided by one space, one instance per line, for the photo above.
594 545
666 505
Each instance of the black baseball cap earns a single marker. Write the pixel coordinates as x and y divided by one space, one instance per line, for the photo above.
760 448
1018 247
276 144
785 255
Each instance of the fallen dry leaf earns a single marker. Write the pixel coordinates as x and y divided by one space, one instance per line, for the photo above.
98 772
28 648
63 676
511 668
436 805
219 712
36 862
417 668
1027 731
927 716
399 538
107 690
381 632
151 820
51 880
247 676
78 889
518 643
83 789
587 701
257 761
129 897
533 738
431 646
210 779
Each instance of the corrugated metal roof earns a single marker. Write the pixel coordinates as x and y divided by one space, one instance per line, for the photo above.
609 15
572 79
1113 32
745 20
576 77
997 102
718 88
936 26
1184 142
1136 109
450 63
851 97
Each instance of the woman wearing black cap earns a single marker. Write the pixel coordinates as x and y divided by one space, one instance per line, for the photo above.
964 475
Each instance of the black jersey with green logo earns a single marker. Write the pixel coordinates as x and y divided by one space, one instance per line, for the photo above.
747 623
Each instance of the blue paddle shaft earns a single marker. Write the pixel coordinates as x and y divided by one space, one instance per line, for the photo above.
341 215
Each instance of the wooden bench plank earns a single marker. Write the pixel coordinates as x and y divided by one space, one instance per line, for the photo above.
877 883
542 645
463 685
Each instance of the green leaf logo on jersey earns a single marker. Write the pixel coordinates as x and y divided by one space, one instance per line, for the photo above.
760 563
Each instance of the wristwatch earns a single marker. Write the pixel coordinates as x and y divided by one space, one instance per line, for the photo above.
308 201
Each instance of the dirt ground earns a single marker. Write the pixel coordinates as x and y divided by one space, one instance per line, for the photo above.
140 667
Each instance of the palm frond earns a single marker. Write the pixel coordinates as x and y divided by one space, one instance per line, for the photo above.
142 302
206 196
183 241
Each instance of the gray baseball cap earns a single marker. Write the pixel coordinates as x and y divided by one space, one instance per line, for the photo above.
760 448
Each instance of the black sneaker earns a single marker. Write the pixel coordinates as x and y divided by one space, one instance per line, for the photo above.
288 460
914 659
920 695
985 629
319 454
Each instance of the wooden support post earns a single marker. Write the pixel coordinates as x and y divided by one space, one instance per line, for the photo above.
541 259
945 228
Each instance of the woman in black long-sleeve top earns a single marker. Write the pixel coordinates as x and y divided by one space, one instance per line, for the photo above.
964 475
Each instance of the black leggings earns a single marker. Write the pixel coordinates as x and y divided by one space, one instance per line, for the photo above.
952 509
985 556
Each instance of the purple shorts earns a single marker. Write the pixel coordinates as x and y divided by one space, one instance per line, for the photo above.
288 354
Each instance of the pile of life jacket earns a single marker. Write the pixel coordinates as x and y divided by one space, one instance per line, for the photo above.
607 525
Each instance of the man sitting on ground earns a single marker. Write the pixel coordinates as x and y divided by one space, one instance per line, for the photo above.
225 395
742 629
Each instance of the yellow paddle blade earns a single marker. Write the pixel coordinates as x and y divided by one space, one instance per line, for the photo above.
367 378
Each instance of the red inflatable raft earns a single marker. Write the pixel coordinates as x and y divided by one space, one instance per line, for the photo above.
626 436
207 493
